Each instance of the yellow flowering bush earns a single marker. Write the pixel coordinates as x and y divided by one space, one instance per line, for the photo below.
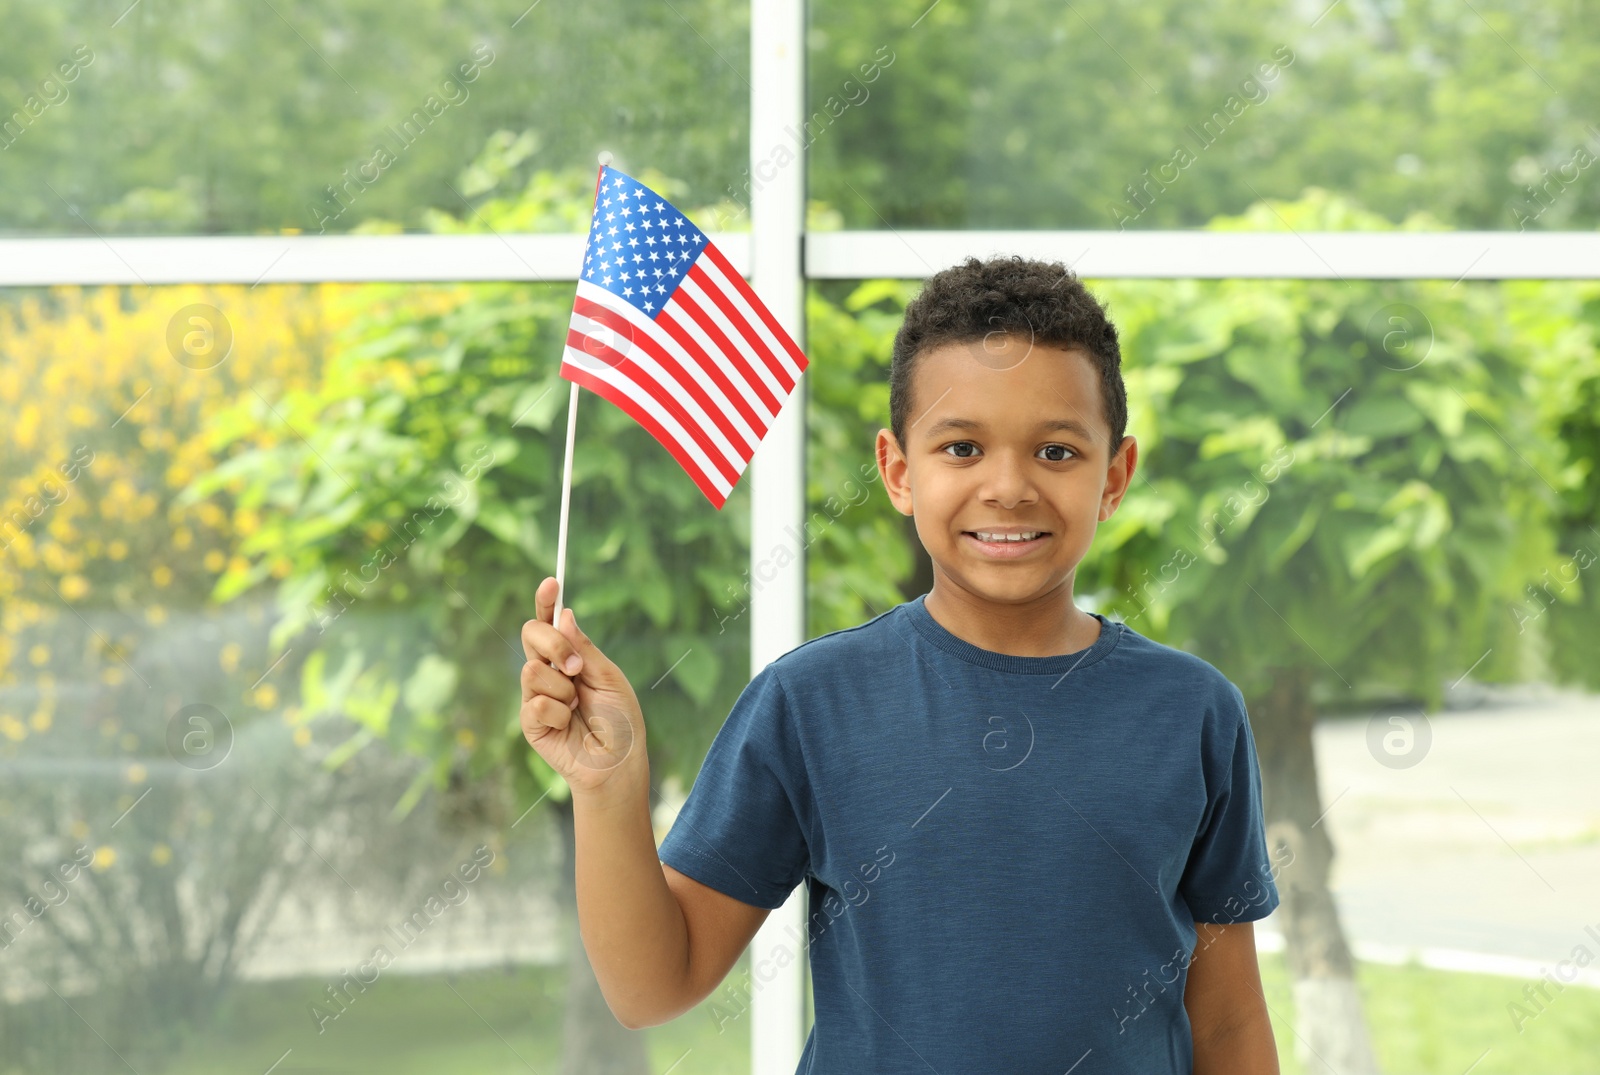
116 666
113 393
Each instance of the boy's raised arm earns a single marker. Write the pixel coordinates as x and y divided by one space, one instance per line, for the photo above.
657 949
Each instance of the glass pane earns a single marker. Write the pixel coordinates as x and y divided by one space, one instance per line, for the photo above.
225 118
1035 114
1372 506
264 795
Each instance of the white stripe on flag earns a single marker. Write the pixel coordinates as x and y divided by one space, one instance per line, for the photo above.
758 323
692 327
635 353
647 326
748 343
663 417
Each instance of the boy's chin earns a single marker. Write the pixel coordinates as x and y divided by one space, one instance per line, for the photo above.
1003 582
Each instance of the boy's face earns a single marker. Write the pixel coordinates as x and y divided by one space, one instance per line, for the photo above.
1005 434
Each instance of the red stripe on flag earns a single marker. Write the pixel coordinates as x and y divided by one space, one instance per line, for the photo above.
756 304
578 375
641 338
745 329
591 345
723 344
692 346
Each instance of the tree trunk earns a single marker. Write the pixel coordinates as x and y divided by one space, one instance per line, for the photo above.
1332 1036
592 1041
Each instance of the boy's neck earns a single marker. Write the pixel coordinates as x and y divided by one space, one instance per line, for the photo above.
1048 627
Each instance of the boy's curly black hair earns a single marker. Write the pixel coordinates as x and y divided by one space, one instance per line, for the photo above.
1042 301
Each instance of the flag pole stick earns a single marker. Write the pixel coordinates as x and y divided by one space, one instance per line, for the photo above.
566 465
566 499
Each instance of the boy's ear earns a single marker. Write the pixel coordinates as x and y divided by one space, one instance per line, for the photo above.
1119 476
893 469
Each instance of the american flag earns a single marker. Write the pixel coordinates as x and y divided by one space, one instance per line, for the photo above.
666 329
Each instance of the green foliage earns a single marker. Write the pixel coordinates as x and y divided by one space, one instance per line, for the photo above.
861 551
1354 476
1015 113
427 479
1561 324
423 478
1037 114
1363 477
212 116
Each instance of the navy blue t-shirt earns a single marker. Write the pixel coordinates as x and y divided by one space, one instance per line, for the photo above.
1005 856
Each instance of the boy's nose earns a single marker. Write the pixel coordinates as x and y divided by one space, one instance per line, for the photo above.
1007 483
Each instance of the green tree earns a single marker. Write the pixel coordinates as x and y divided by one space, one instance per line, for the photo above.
1349 491
214 116
1346 485
864 554
1330 455
1560 323
1035 114
425 477
1017 113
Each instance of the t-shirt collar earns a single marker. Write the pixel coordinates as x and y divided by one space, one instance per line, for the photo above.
1056 664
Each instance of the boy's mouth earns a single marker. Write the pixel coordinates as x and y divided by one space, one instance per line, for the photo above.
1006 542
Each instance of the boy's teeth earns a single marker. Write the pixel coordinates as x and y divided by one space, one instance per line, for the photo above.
1029 536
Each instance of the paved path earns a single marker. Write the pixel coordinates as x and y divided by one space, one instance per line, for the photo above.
1489 844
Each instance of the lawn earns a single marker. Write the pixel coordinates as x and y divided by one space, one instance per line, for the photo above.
1429 1022
507 1022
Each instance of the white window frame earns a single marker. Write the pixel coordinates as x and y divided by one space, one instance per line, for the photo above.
828 255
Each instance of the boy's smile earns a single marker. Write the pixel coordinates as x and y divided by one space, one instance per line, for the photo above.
1006 472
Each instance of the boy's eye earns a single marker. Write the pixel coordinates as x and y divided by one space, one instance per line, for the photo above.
1060 449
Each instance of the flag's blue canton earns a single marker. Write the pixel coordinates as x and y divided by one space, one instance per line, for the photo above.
640 247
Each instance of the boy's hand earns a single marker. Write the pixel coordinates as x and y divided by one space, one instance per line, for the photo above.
586 724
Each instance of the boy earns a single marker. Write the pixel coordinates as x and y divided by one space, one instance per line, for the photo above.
1032 837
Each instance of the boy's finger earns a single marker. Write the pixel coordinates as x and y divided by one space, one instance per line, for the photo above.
540 641
542 711
538 678
588 653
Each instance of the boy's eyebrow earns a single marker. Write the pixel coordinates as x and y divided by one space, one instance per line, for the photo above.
1048 425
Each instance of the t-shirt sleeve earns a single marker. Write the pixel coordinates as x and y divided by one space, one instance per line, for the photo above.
741 830
1229 876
